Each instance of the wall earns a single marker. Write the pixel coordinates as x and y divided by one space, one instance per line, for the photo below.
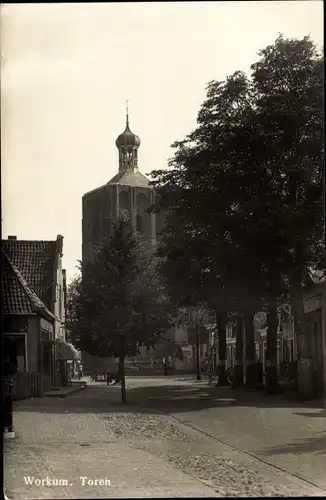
143 200
180 335
312 299
33 337
15 324
59 297
99 212
100 209
47 330
18 325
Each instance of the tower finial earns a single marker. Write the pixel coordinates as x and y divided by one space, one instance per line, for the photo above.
127 111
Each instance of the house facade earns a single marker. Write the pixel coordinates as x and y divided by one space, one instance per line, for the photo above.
33 289
314 302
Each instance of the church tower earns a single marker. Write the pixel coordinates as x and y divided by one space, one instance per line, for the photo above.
128 190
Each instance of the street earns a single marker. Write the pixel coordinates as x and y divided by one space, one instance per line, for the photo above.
176 437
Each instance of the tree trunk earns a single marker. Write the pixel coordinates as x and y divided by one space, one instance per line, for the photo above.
250 349
221 321
271 375
197 353
121 370
305 372
238 366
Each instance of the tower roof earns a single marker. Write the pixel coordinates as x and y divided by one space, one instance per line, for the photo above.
128 178
127 138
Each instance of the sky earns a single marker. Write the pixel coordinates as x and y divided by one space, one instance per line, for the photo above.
67 70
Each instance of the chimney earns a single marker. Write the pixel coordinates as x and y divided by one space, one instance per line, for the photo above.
60 244
12 238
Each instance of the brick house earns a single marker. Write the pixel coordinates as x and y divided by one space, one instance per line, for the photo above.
33 290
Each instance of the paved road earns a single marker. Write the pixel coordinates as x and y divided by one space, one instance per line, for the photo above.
176 437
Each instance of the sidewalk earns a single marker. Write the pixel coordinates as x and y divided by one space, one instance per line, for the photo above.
63 392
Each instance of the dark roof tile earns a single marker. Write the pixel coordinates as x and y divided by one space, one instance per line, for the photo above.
15 299
35 261
18 297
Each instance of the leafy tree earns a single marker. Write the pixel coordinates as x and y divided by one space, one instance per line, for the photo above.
289 83
202 260
70 313
121 302
243 195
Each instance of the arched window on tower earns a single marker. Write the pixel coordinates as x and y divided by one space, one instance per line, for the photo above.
124 202
142 206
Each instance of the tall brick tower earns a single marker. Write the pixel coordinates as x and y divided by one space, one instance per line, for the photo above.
128 190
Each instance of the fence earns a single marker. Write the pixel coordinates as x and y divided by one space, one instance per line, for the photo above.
30 385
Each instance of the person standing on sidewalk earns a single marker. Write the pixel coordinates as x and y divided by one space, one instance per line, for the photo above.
165 364
80 371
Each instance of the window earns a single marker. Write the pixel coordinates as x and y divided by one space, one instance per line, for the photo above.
229 331
228 356
233 355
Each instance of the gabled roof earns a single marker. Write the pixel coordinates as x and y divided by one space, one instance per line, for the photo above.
35 261
18 296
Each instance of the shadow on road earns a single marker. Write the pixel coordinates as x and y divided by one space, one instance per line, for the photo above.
321 414
311 445
172 397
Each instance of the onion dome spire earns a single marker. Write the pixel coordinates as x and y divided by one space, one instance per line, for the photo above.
128 144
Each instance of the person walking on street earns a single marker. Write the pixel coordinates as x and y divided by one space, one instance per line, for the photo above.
118 375
80 370
165 364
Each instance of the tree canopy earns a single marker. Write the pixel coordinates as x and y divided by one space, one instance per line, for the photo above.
244 190
243 195
120 302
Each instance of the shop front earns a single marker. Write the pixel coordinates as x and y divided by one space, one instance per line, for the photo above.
68 360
